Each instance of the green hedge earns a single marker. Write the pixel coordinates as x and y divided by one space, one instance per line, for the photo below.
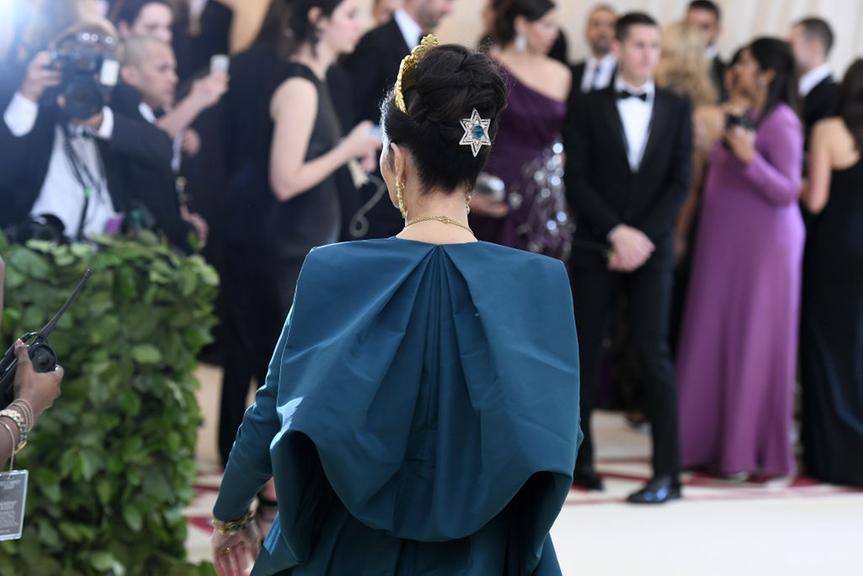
112 464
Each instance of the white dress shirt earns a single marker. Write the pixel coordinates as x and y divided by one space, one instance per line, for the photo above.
712 53
635 116
410 29
598 73
62 194
813 78
196 8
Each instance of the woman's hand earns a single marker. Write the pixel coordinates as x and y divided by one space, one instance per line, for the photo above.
39 389
233 553
362 142
742 143
483 205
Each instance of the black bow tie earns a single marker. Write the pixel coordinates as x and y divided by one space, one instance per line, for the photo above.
77 131
624 94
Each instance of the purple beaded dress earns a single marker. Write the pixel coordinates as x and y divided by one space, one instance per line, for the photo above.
527 156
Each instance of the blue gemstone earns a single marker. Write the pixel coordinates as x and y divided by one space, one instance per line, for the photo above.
478 132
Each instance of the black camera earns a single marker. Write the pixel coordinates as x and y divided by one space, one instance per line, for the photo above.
90 71
741 121
42 356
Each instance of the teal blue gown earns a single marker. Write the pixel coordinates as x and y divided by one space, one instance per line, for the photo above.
420 415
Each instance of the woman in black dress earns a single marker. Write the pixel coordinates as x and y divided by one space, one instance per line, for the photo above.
285 151
832 319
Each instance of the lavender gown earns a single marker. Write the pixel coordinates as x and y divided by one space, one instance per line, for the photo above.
527 157
739 341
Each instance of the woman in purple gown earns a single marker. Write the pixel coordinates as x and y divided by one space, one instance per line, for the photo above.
527 152
739 341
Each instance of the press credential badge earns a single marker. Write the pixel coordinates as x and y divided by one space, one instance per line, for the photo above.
13 500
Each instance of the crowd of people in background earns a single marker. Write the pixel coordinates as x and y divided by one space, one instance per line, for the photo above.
709 212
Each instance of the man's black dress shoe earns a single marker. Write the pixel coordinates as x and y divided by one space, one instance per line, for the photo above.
588 479
658 491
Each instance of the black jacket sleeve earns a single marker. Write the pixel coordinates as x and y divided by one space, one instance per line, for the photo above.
589 207
141 142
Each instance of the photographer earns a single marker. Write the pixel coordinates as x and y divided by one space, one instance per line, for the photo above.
33 392
64 150
149 81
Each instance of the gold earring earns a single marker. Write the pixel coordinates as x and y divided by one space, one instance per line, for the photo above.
400 196
467 203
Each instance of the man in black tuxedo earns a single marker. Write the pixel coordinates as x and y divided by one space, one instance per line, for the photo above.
811 41
373 68
149 85
628 171
707 17
70 169
597 72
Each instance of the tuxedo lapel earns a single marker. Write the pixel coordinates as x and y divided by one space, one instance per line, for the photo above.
613 121
398 39
658 123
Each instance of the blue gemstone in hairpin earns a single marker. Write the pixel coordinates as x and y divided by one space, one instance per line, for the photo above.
475 132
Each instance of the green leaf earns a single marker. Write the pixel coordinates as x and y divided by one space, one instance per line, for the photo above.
92 462
132 516
105 490
102 561
48 534
70 531
146 354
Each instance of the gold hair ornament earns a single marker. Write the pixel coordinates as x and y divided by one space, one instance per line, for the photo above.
409 64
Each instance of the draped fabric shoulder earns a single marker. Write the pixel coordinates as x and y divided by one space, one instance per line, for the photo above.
429 395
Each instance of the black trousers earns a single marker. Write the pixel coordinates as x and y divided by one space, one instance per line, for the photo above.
648 291
259 290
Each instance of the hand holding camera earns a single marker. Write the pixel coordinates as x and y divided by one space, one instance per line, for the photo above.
40 75
39 389
739 137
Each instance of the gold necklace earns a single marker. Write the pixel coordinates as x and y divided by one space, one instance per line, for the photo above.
441 219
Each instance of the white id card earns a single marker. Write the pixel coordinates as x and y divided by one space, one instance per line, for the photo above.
13 501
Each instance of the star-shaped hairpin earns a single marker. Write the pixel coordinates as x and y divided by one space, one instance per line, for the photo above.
475 132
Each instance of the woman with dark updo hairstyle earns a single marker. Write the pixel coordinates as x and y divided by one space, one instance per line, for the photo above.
420 412
527 158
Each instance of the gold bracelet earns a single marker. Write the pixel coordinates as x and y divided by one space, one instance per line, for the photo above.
232 526
26 410
11 434
18 419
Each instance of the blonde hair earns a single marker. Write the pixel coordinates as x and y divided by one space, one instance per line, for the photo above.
136 49
684 67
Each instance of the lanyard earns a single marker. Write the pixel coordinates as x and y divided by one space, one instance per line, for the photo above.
90 184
